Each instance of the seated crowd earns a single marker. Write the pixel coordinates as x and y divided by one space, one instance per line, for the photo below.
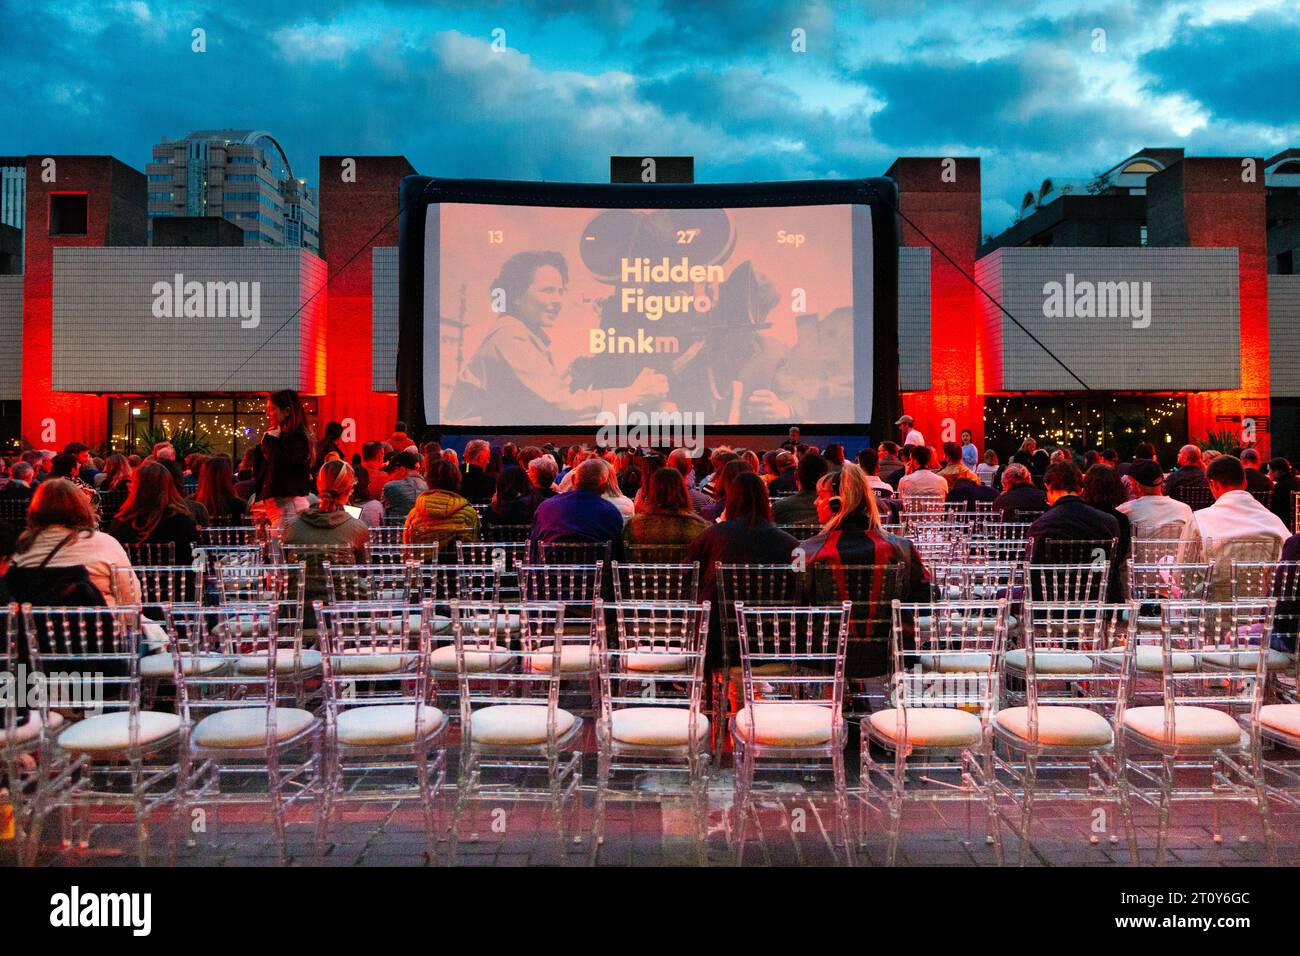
726 505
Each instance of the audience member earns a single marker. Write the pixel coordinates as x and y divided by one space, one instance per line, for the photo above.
404 484
1188 482
440 513
920 481
1019 494
583 514
801 507
475 485
216 491
155 513
1215 533
60 534
1151 512
666 516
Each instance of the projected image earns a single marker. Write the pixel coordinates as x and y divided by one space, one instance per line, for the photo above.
548 316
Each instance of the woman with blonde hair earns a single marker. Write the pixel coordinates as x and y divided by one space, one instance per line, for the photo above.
61 533
327 523
852 535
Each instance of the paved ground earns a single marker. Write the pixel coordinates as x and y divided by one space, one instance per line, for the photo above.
794 825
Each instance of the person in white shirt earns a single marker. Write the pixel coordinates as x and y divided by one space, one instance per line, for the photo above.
1152 513
920 481
61 533
911 436
1220 533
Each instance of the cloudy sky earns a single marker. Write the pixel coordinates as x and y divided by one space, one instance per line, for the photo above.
1035 88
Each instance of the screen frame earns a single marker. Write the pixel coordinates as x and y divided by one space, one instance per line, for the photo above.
878 194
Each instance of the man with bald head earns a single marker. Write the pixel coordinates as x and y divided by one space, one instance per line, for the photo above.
583 514
1188 482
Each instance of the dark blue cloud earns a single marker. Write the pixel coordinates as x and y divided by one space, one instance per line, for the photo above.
582 81
1243 70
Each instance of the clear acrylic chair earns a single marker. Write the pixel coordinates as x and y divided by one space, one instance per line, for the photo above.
153 586
754 585
511 721
574 552
1159 549
151 553
871 589
1061 742
936 723
253 588
1068 583
25 741
505 532
651 716
349 583
228 535
655 553
656 582
503 556
216 556
403 553
1222 552
1196 734
386 534
1279 580
115 752
792 721
384 736
241 747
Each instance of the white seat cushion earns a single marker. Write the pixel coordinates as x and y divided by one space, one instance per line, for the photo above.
29 729
657 662
516 724
955 663
1050 662
384 724
1150 660
1244 660
574 659
360 664
658 727
1059 726
1283 718
480 658
929 726
159 666
245 727
786 725
1193 726
284 664
109 732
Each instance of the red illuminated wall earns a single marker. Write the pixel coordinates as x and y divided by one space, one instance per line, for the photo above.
116 200
350 215
943 199
1208 202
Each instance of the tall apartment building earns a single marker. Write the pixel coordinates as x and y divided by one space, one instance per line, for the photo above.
236 174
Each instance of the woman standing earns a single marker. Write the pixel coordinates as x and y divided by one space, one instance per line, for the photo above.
283 471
